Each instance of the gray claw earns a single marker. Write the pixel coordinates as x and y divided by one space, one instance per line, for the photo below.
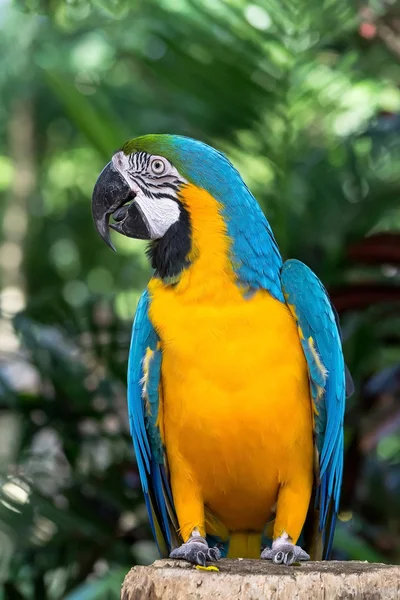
213 554
196 551
285 554
200 559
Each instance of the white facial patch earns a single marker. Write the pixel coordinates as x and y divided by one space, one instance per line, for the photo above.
160 214
155 196
120 163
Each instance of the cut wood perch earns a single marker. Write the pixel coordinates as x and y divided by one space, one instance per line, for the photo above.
256 579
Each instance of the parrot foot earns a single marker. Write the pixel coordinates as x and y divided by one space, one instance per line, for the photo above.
283 552
196 551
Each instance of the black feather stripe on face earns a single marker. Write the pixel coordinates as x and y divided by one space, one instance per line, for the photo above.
169 255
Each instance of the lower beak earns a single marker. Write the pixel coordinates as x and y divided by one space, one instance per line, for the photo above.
110 195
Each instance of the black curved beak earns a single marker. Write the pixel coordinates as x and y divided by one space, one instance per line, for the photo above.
110 196
109 193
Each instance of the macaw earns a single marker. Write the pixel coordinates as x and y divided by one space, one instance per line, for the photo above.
236 376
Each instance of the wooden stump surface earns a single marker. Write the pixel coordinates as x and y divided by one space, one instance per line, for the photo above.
256 579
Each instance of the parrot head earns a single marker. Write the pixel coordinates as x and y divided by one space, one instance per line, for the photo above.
141 186
147 191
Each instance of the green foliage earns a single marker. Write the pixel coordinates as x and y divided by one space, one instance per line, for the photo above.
307 107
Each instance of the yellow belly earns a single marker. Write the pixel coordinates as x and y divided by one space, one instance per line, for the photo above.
236 408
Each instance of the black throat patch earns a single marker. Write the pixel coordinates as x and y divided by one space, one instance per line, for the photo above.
169 255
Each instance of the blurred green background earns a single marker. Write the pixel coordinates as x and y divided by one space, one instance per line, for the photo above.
304 98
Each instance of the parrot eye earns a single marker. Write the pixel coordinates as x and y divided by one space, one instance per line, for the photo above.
158 166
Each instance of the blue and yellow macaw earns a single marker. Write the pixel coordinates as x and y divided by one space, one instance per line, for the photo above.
236 377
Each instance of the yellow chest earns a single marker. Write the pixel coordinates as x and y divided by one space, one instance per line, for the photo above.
236 344
235 399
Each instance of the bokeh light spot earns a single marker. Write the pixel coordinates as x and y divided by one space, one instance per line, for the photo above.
65 257
155 49
125 304
92 53
75 293
6 172
16 490
12 300
10 256
257 17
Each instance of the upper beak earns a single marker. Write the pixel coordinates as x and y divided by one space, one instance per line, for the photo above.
110 192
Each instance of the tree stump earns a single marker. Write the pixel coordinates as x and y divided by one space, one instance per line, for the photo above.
255 579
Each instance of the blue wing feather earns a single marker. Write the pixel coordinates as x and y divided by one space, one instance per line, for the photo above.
143 405
309 302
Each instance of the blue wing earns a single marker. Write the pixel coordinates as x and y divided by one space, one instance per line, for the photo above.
320 337
144 404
